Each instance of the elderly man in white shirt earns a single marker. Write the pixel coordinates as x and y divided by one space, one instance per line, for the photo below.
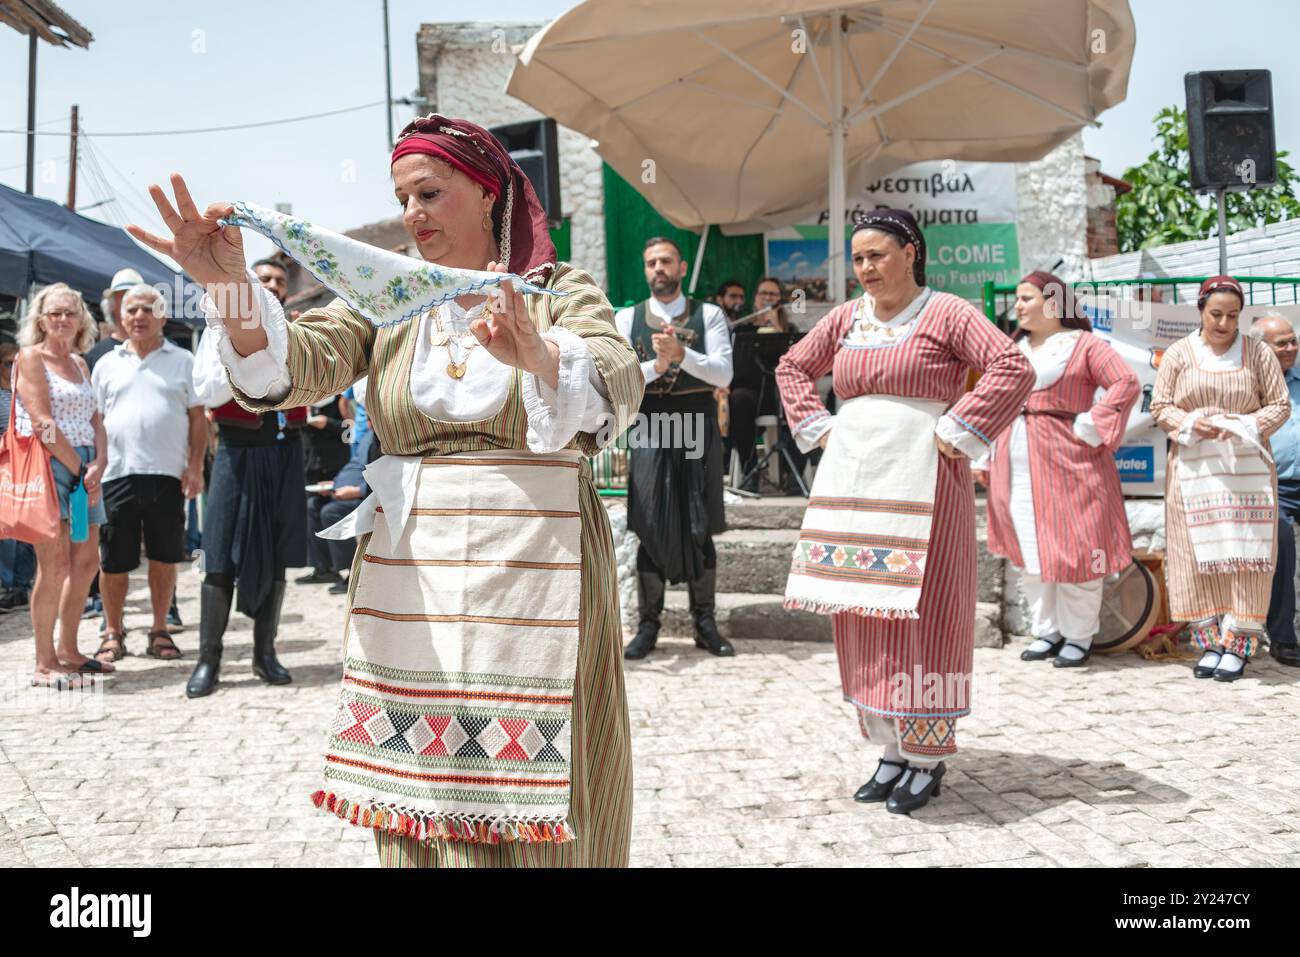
144 388
685 350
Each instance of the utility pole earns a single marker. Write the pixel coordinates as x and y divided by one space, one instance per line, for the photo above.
31 112
72 163
388 82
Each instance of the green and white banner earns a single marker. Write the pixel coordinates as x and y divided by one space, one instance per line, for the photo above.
967 212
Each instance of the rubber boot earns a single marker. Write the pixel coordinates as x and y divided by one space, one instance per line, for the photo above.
703 604
265 626
214 615
650 603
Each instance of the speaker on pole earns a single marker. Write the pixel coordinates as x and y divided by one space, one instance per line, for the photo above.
533 145
1230 129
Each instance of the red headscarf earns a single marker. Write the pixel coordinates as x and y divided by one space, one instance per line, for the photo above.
1219 284
1057 290
519 222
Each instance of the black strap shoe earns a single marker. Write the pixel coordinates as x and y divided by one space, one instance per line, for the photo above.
875 790
265 627
903 801
1206 666
1062 662
1285 654
1051 652
214 615
1221 675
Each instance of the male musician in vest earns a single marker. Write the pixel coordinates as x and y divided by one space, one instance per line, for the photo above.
675 485
256 520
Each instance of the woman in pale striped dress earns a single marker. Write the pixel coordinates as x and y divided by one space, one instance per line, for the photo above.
1056 509
1218 387
429 746
909 678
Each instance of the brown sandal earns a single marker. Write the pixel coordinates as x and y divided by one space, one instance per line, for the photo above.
159 643
114 654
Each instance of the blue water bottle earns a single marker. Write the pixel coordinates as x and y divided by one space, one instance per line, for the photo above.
79 509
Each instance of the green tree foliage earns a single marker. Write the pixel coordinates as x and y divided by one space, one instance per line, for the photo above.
1162 207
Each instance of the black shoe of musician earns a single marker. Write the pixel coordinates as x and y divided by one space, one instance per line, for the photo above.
643 643
1285 654
707 637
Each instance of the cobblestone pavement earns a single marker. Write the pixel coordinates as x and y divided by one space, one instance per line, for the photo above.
743 761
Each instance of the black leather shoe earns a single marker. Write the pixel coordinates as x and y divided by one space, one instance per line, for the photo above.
903 801
317 577
1203 670
644 642
265 627
1221 675
1073 662
874 790
1285 654
710 639
1051 652
214 614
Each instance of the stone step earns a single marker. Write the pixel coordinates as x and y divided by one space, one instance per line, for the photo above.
747 616
775 511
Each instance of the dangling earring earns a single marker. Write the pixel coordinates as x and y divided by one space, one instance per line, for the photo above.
487 222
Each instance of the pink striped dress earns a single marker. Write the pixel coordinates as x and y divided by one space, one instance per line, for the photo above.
1079 517
928 659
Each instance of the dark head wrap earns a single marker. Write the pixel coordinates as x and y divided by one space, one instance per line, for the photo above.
518 220
1219 284
1056 290
900 224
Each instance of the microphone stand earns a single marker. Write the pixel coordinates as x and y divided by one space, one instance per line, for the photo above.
783 437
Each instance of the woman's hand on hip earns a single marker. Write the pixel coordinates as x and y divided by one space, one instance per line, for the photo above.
947 449
201 246
509 335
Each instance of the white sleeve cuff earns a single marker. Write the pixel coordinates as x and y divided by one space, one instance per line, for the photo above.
265 374
1086 430
1185 435
648 371
981 464
577 405
957 435
810 431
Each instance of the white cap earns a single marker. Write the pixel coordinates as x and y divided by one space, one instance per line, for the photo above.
123 280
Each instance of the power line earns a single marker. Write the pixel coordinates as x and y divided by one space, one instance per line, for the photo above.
213 129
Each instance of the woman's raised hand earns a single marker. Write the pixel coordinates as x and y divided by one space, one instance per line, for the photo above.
202 247
509 335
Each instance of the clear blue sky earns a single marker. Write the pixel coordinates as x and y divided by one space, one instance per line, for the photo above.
263 61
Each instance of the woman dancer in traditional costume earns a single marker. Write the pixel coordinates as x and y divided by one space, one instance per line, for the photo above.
1056 509
483 718
1220 395
888 541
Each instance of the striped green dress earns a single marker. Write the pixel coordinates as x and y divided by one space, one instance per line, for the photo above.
332 347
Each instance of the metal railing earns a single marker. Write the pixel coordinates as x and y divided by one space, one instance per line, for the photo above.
1260 290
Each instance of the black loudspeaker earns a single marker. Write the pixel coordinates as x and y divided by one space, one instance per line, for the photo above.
1230 129
532 145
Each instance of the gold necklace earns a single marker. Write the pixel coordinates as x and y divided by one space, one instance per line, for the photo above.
440 337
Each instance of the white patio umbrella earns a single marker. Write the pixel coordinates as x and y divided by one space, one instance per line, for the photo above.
739 112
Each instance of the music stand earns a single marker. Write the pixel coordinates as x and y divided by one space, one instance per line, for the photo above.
764 351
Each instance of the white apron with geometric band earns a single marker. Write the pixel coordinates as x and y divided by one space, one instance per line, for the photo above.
454 720
1228 500
866 533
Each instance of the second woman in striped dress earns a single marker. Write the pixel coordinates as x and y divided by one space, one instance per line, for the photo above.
903 353
1056 510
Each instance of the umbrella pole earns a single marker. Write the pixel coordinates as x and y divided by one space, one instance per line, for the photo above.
699 259
835 232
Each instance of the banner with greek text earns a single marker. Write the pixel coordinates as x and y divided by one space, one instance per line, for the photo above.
967 212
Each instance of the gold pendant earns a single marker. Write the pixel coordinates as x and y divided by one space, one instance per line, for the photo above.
439 338
456 369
